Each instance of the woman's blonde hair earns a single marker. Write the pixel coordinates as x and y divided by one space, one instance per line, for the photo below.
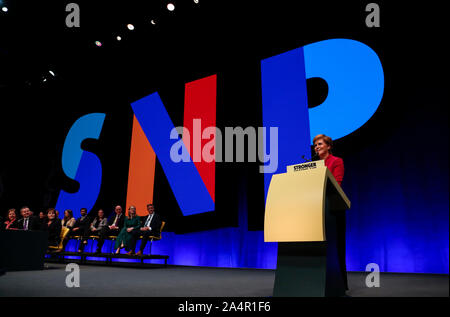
129 214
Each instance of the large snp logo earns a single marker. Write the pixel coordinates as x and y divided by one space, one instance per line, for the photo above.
355 79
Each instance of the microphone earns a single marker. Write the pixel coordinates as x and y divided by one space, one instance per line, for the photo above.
306 159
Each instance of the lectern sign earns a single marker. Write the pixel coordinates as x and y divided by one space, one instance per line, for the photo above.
305 166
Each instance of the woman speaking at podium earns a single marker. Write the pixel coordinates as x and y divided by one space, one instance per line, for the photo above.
322 146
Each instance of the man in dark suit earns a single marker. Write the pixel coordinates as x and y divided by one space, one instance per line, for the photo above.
150 226
81 224
28 222
115 224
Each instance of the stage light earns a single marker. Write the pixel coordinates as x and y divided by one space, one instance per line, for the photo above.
153 22
98 43
130 27
52 73
196 1
118 38
5 9
170 7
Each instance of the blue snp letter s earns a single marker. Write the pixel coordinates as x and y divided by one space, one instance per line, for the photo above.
81 166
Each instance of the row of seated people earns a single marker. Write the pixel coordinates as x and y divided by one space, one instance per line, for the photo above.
128 229
28 221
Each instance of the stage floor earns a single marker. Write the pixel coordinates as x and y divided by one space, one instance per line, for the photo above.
197 282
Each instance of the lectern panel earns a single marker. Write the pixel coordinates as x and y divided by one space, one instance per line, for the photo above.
295 207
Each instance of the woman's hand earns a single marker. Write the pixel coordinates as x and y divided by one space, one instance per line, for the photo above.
130 229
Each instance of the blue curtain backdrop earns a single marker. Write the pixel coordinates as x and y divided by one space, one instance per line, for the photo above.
400 197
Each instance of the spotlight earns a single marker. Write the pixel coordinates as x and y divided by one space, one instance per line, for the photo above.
5 9
98 43
170 7
51 72
196 1
130 27
118 38
153 22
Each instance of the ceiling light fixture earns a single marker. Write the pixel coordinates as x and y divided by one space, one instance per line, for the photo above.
170 6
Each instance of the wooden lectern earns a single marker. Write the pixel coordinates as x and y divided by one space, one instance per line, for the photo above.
305 214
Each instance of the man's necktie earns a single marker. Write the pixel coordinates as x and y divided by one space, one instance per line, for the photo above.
149 219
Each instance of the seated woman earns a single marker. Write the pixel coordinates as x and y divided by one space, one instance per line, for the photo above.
68 221
53 226
131 223
11 223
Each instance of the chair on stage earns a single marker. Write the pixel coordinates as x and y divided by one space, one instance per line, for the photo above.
79 238
113 239
93 238
155 238
59 248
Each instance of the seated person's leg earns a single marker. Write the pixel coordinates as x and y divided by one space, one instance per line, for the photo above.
145 235
133 239
84 236
101 238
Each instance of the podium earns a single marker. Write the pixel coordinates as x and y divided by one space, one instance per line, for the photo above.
22 250
305 214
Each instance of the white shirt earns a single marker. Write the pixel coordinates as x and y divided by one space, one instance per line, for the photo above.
149 220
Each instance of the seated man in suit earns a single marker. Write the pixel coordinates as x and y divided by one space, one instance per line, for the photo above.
150 226
28 222
42 218
81 224
115 224
95 227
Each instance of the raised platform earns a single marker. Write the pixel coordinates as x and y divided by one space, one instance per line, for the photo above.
60 257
